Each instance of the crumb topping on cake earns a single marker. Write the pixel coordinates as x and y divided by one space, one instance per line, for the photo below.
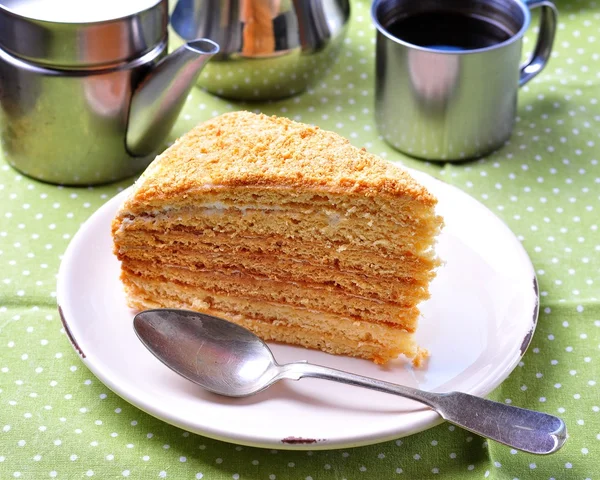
276 151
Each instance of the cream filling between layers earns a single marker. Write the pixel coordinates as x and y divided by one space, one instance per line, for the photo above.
400 209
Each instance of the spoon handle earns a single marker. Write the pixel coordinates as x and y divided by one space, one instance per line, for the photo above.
527 430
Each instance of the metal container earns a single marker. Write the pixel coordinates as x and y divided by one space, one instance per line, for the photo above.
269 48
83 86
447 102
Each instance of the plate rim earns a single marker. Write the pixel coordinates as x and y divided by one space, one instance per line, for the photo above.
426 419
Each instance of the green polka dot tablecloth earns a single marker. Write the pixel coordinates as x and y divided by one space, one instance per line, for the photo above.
58 421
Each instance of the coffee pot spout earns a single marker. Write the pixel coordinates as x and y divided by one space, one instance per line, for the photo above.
158 99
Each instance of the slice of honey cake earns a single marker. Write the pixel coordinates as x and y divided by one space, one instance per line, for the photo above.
285 229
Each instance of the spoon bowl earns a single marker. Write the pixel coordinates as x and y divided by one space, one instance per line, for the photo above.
220 356
230 360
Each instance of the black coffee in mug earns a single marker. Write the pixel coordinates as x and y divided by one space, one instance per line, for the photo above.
449 30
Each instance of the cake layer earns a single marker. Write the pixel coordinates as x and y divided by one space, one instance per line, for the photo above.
330 333
313 198
405 290
351 261
276 261
189 248
397 210
273 291
331 254
297 227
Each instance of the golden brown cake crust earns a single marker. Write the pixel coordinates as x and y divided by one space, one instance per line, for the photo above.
277 152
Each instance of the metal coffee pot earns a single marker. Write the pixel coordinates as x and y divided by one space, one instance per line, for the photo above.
88 93
270 49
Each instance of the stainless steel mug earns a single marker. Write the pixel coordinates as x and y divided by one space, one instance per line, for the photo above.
269 48
448 73
87 90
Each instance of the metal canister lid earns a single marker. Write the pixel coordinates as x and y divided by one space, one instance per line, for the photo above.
81 34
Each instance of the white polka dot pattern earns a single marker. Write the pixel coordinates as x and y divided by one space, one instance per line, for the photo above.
58 421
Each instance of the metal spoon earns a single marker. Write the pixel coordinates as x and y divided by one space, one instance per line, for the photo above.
230 360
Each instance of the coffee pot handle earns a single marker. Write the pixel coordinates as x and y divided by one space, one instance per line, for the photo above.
543 46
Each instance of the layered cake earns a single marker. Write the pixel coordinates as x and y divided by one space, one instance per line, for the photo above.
285 229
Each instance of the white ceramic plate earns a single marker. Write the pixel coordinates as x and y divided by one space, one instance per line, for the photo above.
477 325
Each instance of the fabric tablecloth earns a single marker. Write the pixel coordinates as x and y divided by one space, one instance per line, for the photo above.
58 421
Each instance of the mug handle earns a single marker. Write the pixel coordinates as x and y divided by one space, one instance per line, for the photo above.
543 47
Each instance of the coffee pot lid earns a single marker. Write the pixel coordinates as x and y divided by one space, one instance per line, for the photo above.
80 34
